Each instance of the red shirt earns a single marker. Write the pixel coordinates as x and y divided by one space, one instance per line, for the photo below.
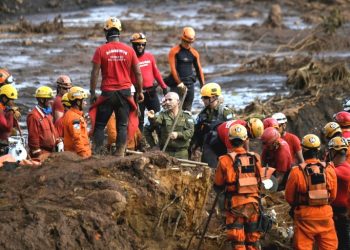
149 71
294 145
279 158
343 178
6 123
116 60
346 133
223 130
57 105
41 131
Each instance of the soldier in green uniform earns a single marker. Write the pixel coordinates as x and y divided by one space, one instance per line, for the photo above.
213 114
180 137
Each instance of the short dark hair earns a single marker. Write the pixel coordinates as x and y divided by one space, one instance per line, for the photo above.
112 33
237 142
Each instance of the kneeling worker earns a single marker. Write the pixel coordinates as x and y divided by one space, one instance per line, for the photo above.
75 132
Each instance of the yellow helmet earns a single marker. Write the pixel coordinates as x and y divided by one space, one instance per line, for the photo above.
76 93
113 23
65 100
256 127
238 131
211 89
44 92
138 38
338 143
188 34
9 91
311 141
330 129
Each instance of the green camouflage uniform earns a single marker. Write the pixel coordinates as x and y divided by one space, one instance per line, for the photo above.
163 121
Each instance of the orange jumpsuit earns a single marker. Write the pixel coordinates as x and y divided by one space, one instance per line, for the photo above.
75 133
312 223
242 211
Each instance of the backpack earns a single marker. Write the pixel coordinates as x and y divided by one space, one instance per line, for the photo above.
317 193
246 173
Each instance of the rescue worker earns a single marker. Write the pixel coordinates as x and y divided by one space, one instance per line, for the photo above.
76 138
64 83
9 114
5 77
117 61
338 147
42 134
292 140
276 154
150 73
329 131
270 122
213 114
220 143
238 173
183 58
181 135
343 119
58 123
310 189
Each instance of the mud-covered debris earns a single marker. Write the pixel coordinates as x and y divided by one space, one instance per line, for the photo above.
24 26
275 19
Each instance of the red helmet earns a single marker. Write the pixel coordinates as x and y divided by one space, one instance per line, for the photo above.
342 118
5 77
64 81
270 122
270 135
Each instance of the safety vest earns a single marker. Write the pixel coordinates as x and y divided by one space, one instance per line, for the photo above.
244 165
317 193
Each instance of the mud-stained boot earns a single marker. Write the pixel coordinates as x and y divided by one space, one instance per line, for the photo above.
120 151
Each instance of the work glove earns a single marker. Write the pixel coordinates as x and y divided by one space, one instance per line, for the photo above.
140 97
165 91
93 97
182 88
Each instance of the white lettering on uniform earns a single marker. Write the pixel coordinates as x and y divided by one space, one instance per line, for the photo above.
121 51
144 63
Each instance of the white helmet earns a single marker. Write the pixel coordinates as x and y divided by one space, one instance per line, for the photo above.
346 106
280 117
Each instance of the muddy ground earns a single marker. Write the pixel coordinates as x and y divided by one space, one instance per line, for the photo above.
106 203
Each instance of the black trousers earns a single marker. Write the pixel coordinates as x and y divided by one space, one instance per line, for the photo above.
118 104
151 102
187 105
342 226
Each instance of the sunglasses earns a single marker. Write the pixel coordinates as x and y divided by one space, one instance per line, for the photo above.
141 44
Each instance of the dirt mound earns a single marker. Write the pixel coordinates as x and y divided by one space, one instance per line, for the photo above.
138 202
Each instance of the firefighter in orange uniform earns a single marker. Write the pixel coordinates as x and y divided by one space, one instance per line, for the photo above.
75 132
238 173
310 189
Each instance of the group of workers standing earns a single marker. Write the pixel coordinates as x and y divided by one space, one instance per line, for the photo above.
316 186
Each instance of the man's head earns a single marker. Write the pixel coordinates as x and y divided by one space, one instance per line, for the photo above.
188 36
65 102
282 122
138 41
255 128
210 93
338 147
76 96
331 129
270 137
171 101
8 94
270 123
44 96
343 119
5 77
310 144
238 135
112 28
64 83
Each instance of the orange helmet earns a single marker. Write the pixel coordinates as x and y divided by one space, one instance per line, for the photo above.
64 81
270 135
5 77
330 129
188 34
338 143
256 127
113 23
138 38
270 122
342 118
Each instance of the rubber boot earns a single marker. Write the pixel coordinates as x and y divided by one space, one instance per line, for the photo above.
120 151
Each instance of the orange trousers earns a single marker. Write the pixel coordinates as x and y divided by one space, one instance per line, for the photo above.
322 232
241 227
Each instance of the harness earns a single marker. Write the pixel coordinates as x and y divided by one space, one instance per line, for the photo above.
317 192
